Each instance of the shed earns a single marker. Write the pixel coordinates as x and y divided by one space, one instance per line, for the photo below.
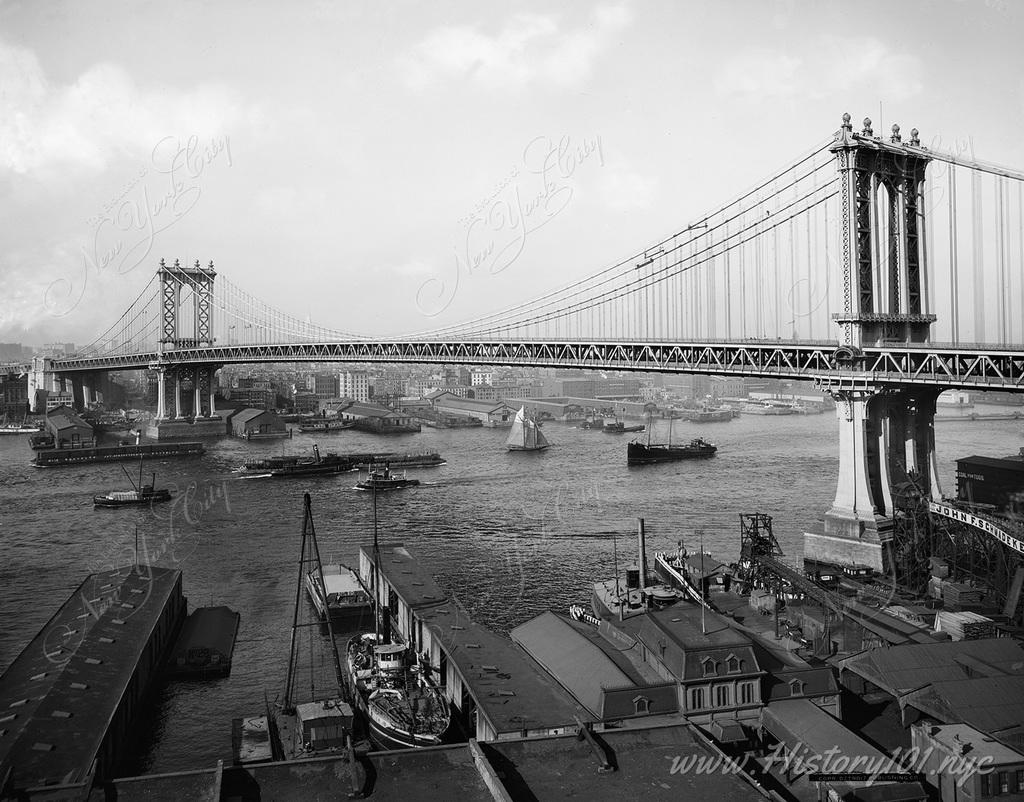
68 428
257 423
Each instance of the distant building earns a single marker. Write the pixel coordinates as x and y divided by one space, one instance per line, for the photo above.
956 744
304 401
324 386
13 396
68 429
255 423
490 413
354 384
377 419
55 400
478 377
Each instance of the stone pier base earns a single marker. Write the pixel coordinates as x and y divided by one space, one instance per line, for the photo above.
183 430
838 550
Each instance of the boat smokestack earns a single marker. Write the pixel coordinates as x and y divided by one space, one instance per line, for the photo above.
643 554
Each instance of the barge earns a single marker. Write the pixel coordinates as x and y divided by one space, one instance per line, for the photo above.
76 456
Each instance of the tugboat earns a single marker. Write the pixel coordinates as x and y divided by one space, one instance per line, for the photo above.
618 427
638 453
139 494
383 479
395 691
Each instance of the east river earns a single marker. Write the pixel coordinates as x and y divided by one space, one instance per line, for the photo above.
509 534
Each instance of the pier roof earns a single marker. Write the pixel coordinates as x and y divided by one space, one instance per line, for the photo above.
412 581
579 664
509 689
58 697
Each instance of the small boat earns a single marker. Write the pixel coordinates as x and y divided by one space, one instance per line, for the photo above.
345 600
22 427
618 427
139 494
638 453
307 466
424 459
526 434
384 479
326 425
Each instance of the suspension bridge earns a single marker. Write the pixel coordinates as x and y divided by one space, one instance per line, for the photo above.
884 271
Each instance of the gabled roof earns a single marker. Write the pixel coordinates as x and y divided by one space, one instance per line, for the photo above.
247 414
898 669
574 661
989 703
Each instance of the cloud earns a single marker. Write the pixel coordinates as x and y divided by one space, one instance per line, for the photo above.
833 64
624 190
101 116
530 48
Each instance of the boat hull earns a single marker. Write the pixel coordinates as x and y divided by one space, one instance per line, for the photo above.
106 501
641 454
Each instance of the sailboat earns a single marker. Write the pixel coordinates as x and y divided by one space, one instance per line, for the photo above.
320 722
638 453
392 686
526 434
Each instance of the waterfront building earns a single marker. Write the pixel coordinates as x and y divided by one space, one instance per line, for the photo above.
480 377
490 413
68 429
69 701
377 419
256 423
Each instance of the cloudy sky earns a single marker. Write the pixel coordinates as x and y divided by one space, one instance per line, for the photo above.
337 159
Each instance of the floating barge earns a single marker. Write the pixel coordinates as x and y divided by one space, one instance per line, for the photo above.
206 644
76 456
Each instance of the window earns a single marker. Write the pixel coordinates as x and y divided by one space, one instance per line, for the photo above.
642 705
746 693
732 664
710 667
986 785
1003 780
722 696
796 687
1020 779
696 698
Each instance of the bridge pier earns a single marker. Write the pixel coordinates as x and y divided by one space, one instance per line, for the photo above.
886 448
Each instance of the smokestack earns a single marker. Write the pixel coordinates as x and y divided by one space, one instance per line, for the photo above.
643 554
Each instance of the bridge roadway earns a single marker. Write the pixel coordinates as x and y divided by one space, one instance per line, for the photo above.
835 367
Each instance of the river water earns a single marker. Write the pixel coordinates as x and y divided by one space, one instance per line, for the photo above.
509 534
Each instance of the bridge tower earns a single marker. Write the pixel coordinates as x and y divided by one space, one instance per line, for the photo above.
887 437
195 379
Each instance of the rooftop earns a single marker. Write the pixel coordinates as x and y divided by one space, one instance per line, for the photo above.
510 689
565 767
57 697
956 736
902 668
410 579
992 704
579 664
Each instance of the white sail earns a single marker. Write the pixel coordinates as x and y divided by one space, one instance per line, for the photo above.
525 434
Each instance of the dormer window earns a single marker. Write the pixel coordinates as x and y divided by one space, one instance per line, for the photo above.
710 667
796 687
733 664
642 705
